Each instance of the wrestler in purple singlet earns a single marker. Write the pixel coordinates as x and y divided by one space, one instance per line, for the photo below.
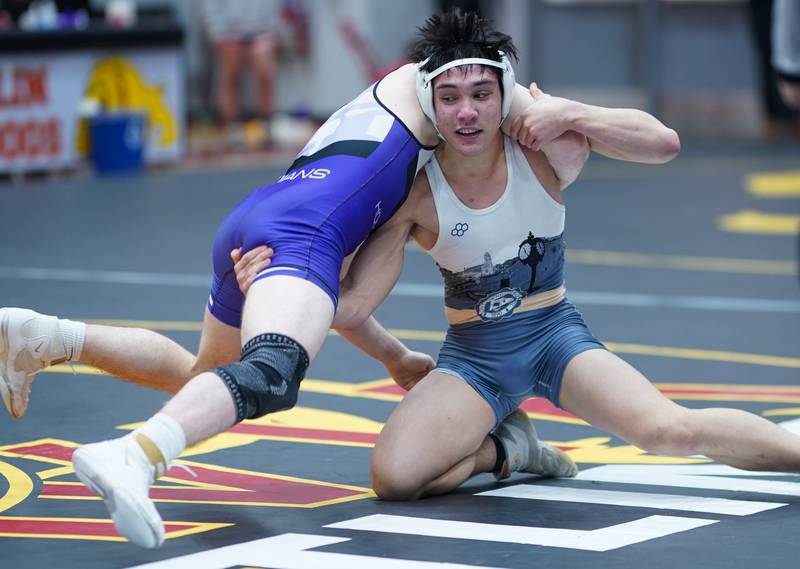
353 174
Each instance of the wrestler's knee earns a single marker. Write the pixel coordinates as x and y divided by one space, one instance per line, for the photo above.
267 379
201 364
393 478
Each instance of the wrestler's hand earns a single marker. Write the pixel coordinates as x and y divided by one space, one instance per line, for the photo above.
541 122
247 266
410 368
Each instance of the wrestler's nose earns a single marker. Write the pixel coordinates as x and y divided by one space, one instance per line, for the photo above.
467 111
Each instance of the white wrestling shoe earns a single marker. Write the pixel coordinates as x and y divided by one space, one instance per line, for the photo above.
525 453
26 347
118 471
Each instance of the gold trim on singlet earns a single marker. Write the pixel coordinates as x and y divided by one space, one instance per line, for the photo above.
532 302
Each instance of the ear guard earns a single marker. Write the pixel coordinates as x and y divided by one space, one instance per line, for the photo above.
425 80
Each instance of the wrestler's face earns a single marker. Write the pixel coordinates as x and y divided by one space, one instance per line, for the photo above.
467 102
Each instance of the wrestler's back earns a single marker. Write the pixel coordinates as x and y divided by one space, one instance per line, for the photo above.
350 178
357 168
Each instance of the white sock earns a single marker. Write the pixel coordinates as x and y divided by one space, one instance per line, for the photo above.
73 335
66 338
162 439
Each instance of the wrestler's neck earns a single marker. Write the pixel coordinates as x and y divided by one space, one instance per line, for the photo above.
479 179
464 162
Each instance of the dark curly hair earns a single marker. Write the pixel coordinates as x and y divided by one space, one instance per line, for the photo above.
458 35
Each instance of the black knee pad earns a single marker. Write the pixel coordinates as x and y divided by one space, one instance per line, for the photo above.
267 378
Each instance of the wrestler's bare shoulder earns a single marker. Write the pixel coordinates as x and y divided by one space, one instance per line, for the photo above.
397 91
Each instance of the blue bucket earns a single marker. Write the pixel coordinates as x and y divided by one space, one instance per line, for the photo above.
117 142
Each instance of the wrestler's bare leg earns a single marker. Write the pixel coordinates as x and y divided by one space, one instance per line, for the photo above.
604 390
30 342
434 440
280 304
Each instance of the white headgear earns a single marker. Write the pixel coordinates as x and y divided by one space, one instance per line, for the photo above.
425 79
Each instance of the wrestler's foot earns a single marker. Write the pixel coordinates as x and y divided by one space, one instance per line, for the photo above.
119 472
27 341
525 453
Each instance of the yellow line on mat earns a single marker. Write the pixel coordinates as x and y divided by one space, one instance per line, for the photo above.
436 336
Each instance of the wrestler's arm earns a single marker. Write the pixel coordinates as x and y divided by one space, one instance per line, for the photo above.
566 154
371 276
624 134
519 105
375 269
405 366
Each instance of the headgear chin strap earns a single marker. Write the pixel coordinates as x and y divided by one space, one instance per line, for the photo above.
425 80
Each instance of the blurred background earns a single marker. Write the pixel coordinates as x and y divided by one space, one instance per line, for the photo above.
191 82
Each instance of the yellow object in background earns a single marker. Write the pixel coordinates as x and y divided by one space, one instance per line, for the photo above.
117 86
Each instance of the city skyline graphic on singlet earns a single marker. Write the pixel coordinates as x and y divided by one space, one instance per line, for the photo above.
537 266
